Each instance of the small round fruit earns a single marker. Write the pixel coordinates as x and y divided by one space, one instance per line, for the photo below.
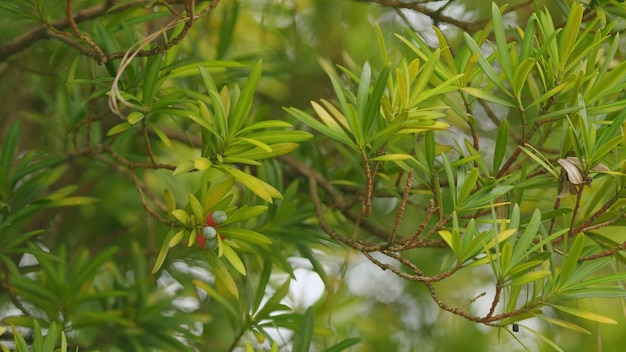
211 244
216 217
209 232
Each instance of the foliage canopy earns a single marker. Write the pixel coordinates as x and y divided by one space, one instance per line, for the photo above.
171 171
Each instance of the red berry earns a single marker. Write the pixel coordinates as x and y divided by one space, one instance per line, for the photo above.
200 240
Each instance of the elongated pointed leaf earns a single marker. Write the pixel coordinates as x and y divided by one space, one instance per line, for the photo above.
222 275
240 113
233 258
521 76
262 189
571 261
526 239
502 47
245 235
501 145
306 331
585 314
163 252
484 64
563 323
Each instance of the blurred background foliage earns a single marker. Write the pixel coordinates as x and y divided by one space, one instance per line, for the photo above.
83 219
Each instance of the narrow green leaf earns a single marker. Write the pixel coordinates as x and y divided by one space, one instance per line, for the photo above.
183 168
612 80
245 235
222 275
430 150
306 331
176 239
501 145
362 100
119 128
571 260
182 217
162 136
451 183
135 117
202 164
539 158
543 338
196 207
425 75
337 85
218 297
488 96
151 77
482 199
50 341
260 125
584 314
20 343
165 247
502 47
37 336
253 142
449 238
215 195
502 236
392 157
563 323
521 76
374 101
445 50
526 239
261 286
529 37
262 189
233 258
484 64
530 277
338 135
597 280
73 201
569 35
193 233
468 185
244 102
343 345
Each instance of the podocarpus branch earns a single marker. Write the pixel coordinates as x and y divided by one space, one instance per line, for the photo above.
55 29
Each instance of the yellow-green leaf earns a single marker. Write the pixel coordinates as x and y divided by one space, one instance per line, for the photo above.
162 253
170 202
262 189
196 207
521 75
530 277
192 237
175 240
245 235
215 195
233 258
502 236
202 163
222 275
135 117
184 167
585 314
392 157
119 128
182 217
